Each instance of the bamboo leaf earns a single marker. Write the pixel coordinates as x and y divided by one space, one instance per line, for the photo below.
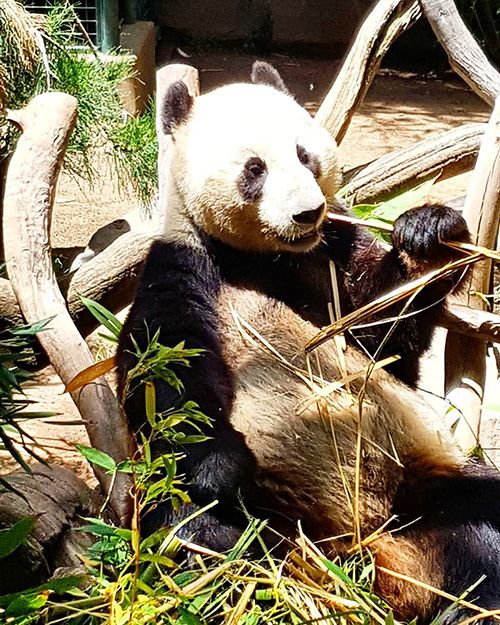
90 374
97 457
13 537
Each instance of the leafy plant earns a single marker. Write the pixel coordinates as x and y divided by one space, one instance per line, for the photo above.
14 353
38 56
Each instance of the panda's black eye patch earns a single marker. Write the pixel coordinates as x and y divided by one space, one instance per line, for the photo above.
309 160
252 178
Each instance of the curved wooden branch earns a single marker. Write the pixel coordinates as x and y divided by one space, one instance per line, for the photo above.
447 154
466 358
464 53
383 25
29 196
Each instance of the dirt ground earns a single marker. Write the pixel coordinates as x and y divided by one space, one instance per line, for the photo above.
398 111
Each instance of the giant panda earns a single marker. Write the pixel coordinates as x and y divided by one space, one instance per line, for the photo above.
243 273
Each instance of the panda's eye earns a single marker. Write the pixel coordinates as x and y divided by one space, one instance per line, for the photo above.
308 160
255 167
252 179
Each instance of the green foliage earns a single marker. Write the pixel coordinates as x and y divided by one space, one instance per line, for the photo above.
14 536
385 213
14 352
142 580
57 63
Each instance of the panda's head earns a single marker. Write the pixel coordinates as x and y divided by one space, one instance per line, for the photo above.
250 166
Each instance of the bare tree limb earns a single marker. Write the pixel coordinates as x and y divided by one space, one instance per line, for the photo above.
383 25
466 357
29 196
109 278
464 53
448 154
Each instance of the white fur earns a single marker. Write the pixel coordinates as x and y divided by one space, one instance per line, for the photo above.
227 127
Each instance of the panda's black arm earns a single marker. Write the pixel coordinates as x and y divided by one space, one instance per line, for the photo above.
370 271
177 295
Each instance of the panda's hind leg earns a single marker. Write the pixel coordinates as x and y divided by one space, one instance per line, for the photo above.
450 560
447 538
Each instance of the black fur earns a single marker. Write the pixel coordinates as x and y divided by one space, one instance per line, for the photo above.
309 160
419 231
462 513
265 74
302 281
252 179
176 106
177 294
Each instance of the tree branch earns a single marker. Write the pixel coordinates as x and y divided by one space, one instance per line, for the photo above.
447 154
464 53
466 358
165 76
471 322
32 176
383 25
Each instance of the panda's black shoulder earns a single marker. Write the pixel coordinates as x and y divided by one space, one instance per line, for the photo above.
176 297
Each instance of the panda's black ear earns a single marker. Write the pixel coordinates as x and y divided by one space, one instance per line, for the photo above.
265 74
176 106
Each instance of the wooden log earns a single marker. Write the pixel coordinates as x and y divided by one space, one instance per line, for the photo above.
471 322
165 76
464 54
385 22
58 501
466 357
446 154
32 176
109 278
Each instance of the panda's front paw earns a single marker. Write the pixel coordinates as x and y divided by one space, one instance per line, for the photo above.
420 232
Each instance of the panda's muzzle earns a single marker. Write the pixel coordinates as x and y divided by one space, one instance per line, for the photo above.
309 218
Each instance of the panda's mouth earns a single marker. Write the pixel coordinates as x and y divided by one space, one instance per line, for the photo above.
303 242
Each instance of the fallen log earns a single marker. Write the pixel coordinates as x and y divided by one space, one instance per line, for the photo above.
57 501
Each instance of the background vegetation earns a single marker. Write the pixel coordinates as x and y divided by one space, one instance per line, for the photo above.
44 54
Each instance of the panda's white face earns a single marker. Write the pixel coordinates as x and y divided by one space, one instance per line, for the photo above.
253 170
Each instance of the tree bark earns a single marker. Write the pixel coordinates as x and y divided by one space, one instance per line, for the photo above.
464 53
58 501
447 154
383 25
466 357
29 196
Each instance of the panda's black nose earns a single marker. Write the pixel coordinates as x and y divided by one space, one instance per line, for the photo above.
308 218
